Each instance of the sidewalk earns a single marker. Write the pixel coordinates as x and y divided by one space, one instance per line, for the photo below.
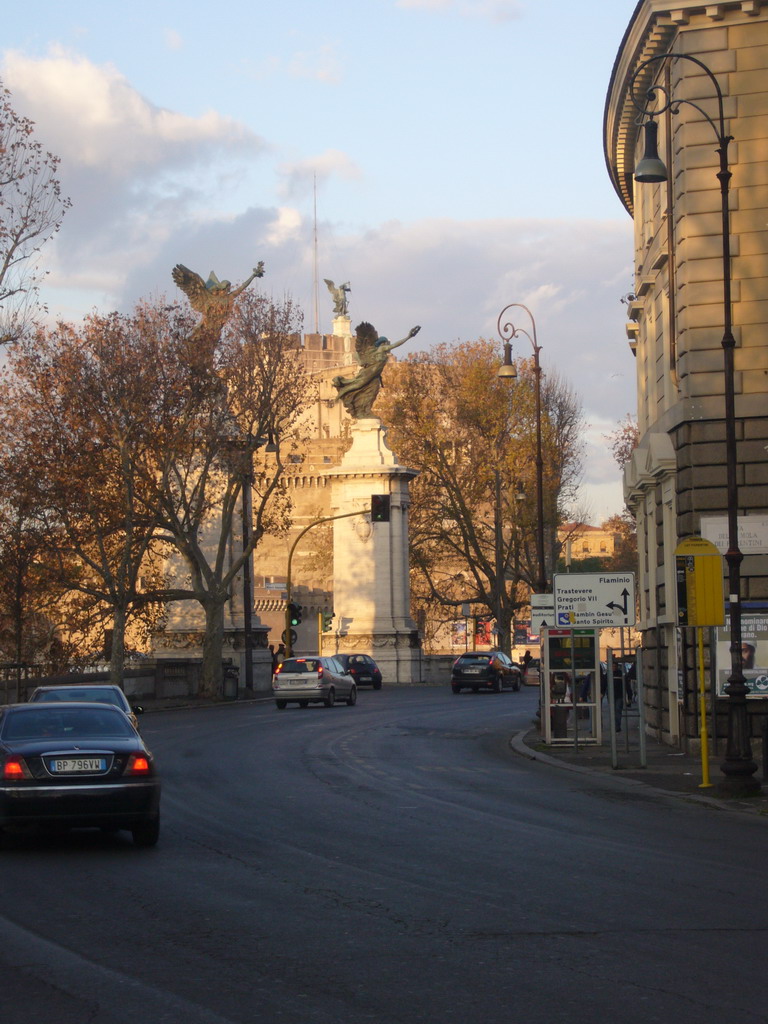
667 770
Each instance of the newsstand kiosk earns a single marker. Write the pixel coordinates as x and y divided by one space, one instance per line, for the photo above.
570 687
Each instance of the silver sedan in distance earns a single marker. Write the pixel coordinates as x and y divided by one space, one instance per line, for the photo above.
312 680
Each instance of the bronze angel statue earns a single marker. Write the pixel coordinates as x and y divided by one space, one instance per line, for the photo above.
358 393
340 304
213 298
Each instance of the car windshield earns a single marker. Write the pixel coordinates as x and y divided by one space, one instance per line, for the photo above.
64 723
300 665
480 659
93 694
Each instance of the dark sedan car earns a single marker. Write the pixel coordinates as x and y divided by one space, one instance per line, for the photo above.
484 670
93 693
362 668
77 765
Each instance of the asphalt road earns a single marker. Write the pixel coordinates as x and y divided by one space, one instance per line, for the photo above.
393 862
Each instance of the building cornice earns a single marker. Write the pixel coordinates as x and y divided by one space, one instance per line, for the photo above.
651 31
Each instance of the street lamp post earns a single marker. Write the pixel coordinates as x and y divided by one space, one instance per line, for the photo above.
508 331
738 766
247 510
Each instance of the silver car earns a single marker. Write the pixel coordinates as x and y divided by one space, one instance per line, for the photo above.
312 680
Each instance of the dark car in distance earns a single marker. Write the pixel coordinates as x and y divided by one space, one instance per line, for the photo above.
485 670
76 765
362 668
95 693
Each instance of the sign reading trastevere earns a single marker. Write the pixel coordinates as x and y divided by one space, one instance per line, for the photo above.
600 600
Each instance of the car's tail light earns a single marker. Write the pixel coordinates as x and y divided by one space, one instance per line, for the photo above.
279 669
15 768
319 671
138 764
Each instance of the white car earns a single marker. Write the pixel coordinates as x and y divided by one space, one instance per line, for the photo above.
312 680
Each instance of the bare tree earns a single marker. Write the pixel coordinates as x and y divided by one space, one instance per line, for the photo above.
623 440
31 211
253 392
472 438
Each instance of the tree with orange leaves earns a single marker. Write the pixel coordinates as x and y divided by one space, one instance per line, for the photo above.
473 510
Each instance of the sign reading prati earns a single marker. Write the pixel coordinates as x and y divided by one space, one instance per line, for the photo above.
599 600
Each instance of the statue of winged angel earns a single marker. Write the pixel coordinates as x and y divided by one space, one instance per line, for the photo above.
340 303
213 298
358 393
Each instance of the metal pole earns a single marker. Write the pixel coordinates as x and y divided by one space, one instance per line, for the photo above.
507 331
288 584
247 591
542 581
641 707
738 766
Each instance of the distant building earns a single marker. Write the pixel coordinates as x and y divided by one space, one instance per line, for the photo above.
579 541
325 356
675 483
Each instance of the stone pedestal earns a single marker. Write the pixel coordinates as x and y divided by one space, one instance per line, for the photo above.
371 582
342 326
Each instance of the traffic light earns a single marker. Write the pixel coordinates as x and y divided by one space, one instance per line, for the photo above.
294 614
327 621
380 508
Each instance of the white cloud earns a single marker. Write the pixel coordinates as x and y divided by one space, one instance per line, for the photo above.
90 115
286 226
297 177
134 171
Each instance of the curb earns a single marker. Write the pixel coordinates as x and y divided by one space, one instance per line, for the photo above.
519 746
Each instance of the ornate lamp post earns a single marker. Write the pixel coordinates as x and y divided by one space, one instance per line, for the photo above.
507 371
651 101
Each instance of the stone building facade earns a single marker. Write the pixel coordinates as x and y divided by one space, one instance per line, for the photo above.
676 481
309 487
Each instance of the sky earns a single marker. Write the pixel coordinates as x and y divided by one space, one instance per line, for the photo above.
443 156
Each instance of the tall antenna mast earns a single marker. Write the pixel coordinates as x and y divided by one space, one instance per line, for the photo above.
314 193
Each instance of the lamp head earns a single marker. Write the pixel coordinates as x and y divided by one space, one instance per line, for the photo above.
507 370
651 168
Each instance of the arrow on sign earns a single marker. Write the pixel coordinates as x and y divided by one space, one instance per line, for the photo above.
620 607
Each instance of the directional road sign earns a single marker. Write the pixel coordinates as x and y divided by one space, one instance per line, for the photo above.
600 600
542 612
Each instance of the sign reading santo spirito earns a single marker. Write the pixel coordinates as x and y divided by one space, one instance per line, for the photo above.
599 600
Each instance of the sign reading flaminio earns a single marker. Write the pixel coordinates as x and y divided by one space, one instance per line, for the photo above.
600 600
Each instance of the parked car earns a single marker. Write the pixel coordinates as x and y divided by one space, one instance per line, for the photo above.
484 670
312 680
97 693
76 765
533 674
362 668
